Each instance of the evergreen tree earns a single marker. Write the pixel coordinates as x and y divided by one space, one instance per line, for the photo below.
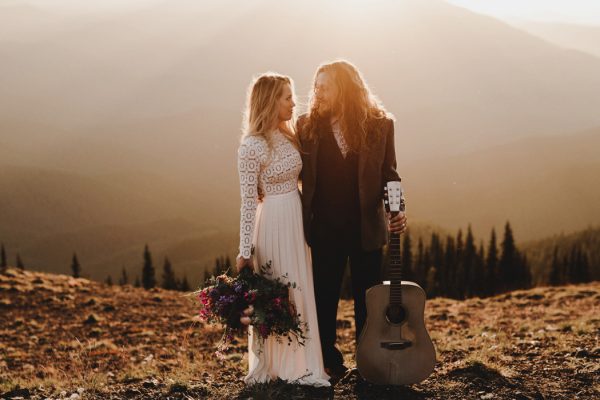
407 258
584 272
555 278
218 266
450 268
525 273
185 286
3 262
20 264
426 265
420 266
570 268
148 273
168 277
124 280
137 282
564 270
431 282
509 260
459 271
109 280
75 267
468 261
207 275
437 260
478 287
491 266
580 266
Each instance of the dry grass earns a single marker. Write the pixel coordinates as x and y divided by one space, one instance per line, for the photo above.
60 336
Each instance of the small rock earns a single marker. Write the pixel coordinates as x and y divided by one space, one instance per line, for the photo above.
96 332
16 393
92 319
132 393
582 353
90 302
150 383
536 296
178 388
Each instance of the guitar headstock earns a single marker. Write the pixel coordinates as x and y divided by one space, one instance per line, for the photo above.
394 197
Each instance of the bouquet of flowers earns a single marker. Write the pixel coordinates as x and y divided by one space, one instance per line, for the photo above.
251 299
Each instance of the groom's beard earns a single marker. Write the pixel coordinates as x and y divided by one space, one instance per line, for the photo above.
326 111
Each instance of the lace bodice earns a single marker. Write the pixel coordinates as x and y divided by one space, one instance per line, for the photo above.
264 172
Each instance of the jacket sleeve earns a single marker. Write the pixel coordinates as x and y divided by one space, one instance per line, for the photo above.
388 171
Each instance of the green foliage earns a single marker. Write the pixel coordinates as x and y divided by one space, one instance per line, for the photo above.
148 273
124 280
20 264
459 269
3 262
556 258
75 266
169 281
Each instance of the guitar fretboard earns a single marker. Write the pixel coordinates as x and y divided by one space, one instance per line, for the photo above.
395 271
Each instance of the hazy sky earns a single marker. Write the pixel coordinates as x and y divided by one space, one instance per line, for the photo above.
571 11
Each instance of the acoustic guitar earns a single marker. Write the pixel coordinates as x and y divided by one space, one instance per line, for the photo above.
394 347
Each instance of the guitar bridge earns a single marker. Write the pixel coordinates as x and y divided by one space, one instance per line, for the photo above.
401 345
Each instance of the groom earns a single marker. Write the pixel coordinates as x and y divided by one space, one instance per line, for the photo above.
347 140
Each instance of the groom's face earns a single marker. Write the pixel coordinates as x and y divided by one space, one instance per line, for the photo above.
326 93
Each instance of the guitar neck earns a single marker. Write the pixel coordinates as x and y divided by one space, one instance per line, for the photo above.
395 270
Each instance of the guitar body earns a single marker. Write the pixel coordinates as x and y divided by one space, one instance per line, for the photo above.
395 353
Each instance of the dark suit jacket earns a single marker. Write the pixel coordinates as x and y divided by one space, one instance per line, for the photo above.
376 166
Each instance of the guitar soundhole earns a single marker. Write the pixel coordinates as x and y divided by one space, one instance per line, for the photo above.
395 314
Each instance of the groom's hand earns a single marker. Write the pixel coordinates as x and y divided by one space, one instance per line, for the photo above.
241 263
397 224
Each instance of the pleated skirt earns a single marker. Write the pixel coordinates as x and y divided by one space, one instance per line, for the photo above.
279 238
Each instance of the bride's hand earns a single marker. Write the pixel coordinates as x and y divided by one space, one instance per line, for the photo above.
241 263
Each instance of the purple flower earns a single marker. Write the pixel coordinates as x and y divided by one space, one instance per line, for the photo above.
238 287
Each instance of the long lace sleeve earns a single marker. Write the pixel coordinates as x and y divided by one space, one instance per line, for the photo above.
249 155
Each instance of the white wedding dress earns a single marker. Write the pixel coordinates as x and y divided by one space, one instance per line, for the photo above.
274 227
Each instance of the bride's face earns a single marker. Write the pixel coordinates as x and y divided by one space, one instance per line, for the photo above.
286 104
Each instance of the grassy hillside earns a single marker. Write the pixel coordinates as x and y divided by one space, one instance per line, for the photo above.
62 336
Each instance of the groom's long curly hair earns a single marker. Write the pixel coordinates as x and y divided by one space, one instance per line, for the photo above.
358 108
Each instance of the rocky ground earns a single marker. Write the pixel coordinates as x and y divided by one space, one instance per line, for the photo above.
66 338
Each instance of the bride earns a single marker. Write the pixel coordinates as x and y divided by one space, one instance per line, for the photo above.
269 164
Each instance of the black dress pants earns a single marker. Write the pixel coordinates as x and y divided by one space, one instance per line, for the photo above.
329 262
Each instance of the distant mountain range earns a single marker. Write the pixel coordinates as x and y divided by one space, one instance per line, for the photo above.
584 38
118 129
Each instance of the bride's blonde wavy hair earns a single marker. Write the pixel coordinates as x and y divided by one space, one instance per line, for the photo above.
262 108
357 106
